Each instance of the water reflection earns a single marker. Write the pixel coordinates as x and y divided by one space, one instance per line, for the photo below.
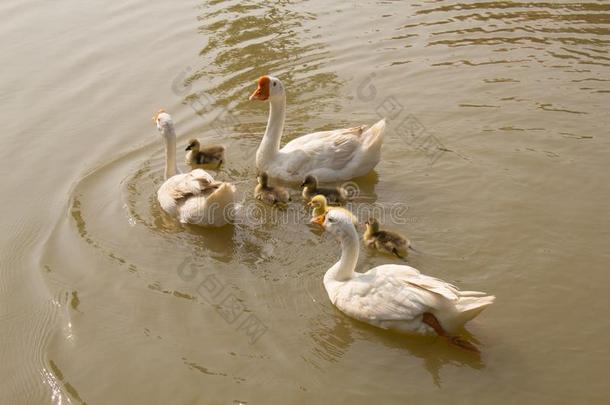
332 334
551 29
435 353
243 45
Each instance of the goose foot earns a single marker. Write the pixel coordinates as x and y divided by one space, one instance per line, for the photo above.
431 321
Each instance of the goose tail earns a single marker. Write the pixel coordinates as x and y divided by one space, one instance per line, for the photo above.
221 204
469 307
373 137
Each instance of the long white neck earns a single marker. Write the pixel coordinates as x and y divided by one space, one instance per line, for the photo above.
270 145
169 137
350 248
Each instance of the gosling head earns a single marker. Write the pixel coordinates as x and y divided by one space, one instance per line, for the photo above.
372 225
318 201
163 121
193 145
263 179
310 181
269 88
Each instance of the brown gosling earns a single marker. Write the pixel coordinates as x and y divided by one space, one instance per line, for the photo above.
385 241
271 195
320 207
334 195
209 155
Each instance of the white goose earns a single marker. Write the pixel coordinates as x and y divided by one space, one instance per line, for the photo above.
396 297
335 155
193 197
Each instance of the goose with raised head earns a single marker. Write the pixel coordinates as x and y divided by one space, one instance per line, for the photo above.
193 197
336 155
396 297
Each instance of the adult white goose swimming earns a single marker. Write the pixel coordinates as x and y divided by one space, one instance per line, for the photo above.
394 296
336 155
193 197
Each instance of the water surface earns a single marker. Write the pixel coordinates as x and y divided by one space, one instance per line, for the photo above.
496 150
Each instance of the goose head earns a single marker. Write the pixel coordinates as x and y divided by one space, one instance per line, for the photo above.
193 145
269 88
163 121
337 223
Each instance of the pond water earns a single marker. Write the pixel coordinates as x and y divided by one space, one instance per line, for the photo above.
493 163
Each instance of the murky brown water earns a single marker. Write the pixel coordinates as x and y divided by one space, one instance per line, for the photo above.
497 144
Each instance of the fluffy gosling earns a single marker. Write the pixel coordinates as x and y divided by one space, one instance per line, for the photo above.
271 195
209 155
335 195
320 207
385 241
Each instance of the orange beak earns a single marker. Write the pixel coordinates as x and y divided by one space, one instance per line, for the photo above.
262 91
319 220
156 116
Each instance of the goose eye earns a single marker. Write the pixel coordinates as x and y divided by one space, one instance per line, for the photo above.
274 83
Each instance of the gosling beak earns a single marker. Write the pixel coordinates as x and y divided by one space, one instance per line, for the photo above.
310 204
302 184
189 147
262 91
319 220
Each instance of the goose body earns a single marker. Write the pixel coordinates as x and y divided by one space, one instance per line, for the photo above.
396 297
193 197
335 155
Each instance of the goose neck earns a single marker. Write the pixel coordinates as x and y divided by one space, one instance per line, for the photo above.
270 145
